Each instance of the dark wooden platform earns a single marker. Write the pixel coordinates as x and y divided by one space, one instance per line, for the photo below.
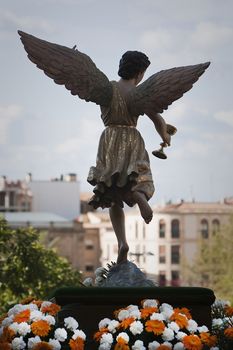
90 305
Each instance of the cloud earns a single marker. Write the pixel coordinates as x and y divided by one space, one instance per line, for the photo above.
8 114
10 21
225 117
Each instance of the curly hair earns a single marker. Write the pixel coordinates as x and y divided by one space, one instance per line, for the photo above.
132 63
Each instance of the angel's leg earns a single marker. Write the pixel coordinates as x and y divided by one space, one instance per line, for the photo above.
140 199
117 217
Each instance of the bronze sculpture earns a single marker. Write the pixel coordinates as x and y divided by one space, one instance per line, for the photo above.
122 172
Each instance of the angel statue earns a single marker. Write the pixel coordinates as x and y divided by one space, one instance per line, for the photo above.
122 172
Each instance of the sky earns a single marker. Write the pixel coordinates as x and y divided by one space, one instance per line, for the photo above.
48 132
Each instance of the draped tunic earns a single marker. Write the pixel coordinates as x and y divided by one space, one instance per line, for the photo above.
122 163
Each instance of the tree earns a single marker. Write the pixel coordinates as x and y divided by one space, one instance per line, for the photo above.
213 264
27 268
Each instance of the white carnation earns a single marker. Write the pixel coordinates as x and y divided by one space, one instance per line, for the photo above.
166 310
217 322
180 335
105 346
79 334
55 344
202 329
31 307
50 319
165 306
14 327
134 311
215 348
7 321
60 334
138 345
154 345
168 334
71 323
24 328
18 343
15 309
136 327
174 326
157 316
112 326
150 303
179 346
124 336
123 314
45 304
33 341
100 271
106 338
104 323
192 326
36 315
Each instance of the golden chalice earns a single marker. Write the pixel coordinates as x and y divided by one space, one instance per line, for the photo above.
159 153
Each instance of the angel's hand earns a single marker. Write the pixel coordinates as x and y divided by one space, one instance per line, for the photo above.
166 138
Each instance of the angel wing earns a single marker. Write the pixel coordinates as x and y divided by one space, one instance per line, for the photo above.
69 67
164 87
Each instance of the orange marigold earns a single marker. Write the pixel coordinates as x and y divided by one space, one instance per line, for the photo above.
7 335
27 300
184 311
22 316
5 346
147 311
121 345
163 347
43 345
77 344
192 342
51 309
229 332
40 328
126 322
155 326
180 319
229 311
208 339
99 334
37 302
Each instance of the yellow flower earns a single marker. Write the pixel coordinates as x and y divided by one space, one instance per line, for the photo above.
192 342
155 326
99 334
40 328
121 344
22 316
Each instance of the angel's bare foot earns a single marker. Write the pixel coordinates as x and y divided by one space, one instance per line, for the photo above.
145 209
122 253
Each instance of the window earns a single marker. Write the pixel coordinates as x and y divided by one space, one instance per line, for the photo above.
162 278
162 254
175 254
215 226
175 278
89 244
12 198
2 199
89 268
162 228
204 229
175 228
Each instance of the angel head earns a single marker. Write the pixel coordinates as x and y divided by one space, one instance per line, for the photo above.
133 65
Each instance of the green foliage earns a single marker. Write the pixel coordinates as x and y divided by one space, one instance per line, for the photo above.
28 268
213 265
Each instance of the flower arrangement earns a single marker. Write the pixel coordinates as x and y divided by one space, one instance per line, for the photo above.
33 325
222 324
153 327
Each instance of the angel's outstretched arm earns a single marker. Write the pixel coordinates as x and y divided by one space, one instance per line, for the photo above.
160 126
